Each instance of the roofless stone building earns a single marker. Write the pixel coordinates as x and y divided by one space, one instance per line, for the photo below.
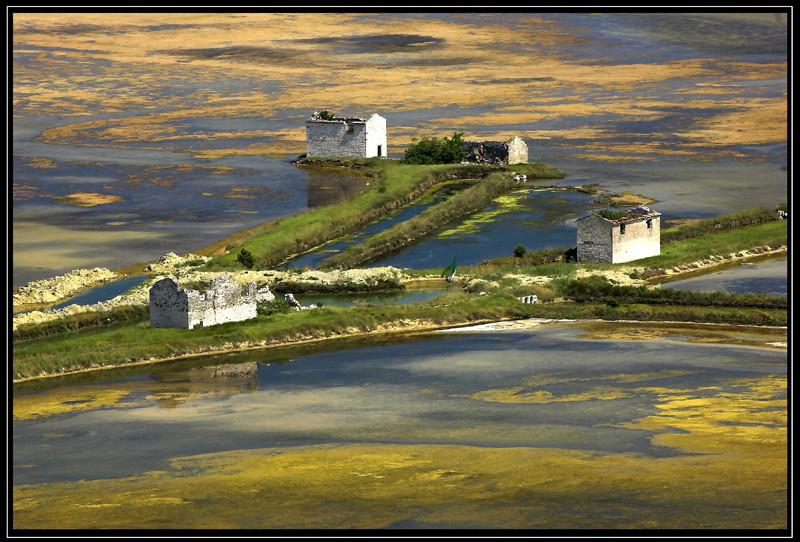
330 136
634 236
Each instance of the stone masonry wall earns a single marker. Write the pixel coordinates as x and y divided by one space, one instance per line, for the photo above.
174 307
594 239
169 305
334 140
514 151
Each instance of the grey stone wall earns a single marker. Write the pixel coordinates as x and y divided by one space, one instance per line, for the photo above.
169 305
594 239
335 139
174 307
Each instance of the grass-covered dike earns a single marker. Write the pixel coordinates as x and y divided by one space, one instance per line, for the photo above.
567 289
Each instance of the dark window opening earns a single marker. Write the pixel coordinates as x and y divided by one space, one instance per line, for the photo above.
622 229
380 149
650 224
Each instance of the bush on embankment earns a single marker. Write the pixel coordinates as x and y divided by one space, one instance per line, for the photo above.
597 289
373 285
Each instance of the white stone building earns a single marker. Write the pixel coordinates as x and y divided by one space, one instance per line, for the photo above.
636 235
172 306
345 137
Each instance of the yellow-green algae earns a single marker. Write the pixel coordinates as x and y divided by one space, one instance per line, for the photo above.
732 475
503 204
741 335
63 401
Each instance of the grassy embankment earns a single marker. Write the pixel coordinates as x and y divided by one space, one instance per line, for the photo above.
712 241
133 341
123 337
125 342
394 184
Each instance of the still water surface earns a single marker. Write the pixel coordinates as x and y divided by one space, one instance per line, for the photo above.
767 278
553 406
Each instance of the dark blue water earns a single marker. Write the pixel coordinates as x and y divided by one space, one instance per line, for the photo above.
435 196
537 219
105 292
408 391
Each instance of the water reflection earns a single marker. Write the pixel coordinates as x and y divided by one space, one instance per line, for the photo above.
329 189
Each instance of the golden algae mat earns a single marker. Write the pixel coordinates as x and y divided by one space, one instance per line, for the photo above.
618 426
125 120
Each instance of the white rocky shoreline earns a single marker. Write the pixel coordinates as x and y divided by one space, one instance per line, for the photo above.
182 268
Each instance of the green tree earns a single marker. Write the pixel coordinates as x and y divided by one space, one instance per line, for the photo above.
434 150
246 258
519 251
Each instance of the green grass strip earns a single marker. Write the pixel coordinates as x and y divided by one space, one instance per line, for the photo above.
124 343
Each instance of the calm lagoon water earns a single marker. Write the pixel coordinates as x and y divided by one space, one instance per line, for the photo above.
155 143
768 278
533 399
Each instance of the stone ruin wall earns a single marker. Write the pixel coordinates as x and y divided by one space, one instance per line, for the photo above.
510 152
330 139
174 307
594 240
517 151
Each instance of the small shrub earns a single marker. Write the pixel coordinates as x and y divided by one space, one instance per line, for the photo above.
434 150
278 305
245 258
611 215
519 251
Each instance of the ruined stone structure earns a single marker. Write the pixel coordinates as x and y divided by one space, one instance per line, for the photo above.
513 151
345 137
172 306
636 235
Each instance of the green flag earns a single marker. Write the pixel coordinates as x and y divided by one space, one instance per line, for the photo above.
450 271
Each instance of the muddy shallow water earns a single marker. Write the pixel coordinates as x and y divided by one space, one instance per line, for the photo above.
578 426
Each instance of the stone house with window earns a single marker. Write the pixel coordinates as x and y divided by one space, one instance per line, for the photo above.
345 137
513 151
172 306
634 236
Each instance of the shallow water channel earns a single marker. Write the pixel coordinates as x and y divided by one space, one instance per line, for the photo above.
537 218
767 278
577 426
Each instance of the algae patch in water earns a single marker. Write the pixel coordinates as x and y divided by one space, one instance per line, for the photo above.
501 205
88 199
746 336
63 401
378 485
